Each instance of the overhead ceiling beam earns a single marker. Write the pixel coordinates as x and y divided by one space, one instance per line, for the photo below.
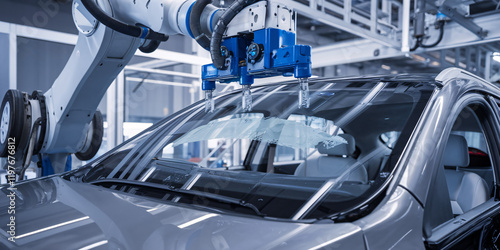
141 80
155 63
467 23
306 36
365 50
341 23
176 57
161 72
71 39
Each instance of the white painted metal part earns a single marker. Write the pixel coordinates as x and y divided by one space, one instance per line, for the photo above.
73 98
262 15
183 17
84 21
145 12
4 127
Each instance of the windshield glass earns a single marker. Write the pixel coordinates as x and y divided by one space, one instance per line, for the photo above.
277 160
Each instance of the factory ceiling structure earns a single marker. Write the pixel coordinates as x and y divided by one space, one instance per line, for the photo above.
358 31
380 32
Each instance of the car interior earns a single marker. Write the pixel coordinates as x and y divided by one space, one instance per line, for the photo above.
468 168
368 148
466 177
467 189
334 162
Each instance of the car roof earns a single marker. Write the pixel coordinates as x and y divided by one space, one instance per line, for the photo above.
422 78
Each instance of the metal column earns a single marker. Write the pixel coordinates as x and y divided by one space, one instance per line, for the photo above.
12 57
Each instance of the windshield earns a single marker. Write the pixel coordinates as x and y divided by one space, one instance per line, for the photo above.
277 160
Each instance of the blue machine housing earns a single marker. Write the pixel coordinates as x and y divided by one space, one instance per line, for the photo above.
278 55
281 56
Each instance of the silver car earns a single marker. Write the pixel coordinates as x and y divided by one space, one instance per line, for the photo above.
384 162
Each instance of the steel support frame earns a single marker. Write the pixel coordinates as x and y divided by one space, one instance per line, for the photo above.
464 22
487 66
168 83
120 107
196 93
405 35
155 63
164 72
6 29
70 39
341 23
12 57
11 31
111 116
360 50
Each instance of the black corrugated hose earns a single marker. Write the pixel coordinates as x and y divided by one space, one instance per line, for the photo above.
194 23
135 31
216 41
419 43
441 33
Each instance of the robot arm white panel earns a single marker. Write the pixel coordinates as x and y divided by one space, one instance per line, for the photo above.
73 98
146 12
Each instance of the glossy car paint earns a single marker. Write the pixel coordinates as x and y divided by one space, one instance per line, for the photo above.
122 221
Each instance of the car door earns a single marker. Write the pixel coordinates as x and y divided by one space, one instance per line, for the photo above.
474 226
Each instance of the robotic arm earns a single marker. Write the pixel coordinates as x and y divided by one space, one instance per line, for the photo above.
248 40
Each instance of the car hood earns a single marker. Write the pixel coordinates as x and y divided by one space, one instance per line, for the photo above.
53 213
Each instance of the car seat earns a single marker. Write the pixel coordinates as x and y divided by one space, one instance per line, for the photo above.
333 162
467 190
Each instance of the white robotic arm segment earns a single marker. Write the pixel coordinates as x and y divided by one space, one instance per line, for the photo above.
170 12
145 12
72 100
84 21
177 13
261 15
183 18
68 107
99 56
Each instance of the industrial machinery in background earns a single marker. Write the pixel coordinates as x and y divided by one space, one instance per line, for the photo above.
419 26
249 39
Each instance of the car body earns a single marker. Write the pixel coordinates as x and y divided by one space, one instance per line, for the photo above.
362 168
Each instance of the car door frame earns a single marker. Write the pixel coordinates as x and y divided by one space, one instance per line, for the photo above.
457 229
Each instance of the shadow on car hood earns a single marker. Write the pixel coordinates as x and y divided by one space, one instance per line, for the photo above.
53 213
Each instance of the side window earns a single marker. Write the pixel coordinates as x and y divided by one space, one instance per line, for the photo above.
284 153
209 153
467 163
467 172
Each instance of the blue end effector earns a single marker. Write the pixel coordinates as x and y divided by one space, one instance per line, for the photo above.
265 53
271 52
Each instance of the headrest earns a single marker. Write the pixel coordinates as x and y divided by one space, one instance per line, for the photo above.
339 150
456 153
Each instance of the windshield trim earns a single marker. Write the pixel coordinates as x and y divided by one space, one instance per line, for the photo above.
315 199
